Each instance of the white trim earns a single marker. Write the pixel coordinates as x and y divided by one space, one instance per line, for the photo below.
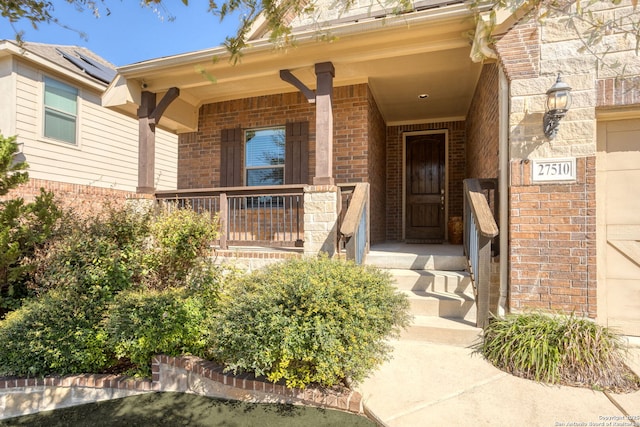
41 113
446 176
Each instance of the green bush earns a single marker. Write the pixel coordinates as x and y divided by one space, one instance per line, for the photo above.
143 324
308 321
57 333
24 229
179 240
557 349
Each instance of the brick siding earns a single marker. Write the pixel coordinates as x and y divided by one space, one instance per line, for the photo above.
395 165
85 200
359 146
617 92
519 50
552 239
377 171
483 126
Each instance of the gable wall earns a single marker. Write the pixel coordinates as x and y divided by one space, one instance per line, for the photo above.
106 155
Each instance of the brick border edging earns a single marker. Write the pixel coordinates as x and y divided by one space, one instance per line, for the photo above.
345 400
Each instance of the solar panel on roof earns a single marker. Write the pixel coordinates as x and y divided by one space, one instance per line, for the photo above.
89 66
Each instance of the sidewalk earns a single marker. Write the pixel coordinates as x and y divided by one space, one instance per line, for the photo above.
437 385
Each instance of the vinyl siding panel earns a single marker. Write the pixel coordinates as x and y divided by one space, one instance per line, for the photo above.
107 151
7 100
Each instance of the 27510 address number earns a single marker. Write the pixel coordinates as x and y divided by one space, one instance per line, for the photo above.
544 170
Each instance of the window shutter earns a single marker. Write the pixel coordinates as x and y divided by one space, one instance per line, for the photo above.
231 158
296 168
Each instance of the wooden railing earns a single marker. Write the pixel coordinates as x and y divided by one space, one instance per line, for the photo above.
268 215
354 226
479 230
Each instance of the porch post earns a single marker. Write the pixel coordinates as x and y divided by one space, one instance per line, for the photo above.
148 116
146 143
325 73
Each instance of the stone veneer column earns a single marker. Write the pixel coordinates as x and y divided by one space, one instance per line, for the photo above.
320 219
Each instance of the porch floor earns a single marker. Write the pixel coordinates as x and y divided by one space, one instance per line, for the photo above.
419 249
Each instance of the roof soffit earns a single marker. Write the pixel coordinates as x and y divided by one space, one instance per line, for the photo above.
384 54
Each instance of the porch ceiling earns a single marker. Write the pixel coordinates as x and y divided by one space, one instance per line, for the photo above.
400 57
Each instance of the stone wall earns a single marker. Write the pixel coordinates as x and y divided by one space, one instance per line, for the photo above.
552 234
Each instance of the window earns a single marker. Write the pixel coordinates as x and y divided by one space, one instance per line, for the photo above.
60 111
264 156
267 156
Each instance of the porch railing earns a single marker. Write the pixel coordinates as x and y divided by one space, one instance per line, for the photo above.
267 215
354 226
479 229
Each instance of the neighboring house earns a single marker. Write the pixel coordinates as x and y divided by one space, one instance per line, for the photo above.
84 153
408 105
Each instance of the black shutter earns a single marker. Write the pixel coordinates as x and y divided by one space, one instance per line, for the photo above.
297 153
231 158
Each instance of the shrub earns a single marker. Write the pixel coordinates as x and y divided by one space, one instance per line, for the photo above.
557 349
56 333
308 321
24 228
143 324
180 239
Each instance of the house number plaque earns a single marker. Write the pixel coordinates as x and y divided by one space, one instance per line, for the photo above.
551 170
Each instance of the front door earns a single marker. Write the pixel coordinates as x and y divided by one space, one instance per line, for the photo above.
425 187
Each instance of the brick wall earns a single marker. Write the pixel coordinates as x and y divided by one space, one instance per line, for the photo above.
483 126
519 50
377 171
395 162
85 200
553 241
359 145
199 152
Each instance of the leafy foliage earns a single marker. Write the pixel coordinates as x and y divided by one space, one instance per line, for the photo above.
56 333
179 239
557 349
308 321
11 171
142 324
24 227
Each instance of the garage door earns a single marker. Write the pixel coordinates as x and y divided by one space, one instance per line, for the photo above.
618 200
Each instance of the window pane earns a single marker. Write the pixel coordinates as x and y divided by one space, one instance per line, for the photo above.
60 96
264 147
60 126
265 176
60 111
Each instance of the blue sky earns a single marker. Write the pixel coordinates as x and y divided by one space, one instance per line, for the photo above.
131 33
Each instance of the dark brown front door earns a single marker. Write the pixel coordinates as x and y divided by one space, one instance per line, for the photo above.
425 187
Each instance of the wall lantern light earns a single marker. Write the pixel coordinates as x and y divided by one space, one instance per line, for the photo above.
558 102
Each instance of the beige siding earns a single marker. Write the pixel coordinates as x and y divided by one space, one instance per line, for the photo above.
618 225
8 90
107 151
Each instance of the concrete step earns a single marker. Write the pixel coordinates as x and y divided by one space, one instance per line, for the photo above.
442 330
412 261
432 280
442 304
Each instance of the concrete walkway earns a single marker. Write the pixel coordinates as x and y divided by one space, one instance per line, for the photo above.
427 384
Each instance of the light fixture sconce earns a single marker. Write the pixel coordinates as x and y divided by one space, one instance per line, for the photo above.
558 102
